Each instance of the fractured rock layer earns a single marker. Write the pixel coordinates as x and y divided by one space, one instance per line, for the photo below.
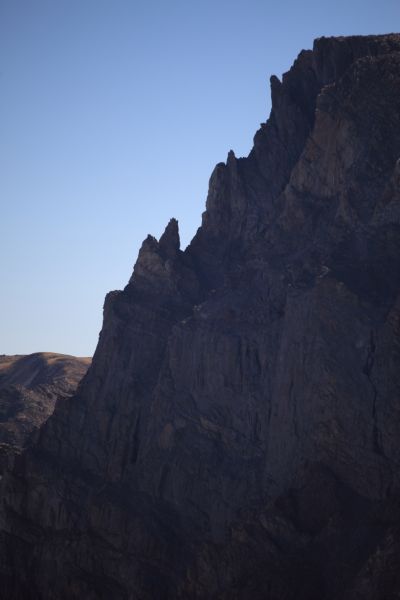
237 435
29 388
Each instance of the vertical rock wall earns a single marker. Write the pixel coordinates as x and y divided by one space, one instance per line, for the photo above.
237 433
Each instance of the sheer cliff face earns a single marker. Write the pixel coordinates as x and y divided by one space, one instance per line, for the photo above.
237 433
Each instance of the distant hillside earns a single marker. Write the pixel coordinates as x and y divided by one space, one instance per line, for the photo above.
29 387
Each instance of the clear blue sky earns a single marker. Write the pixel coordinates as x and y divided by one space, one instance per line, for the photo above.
112 116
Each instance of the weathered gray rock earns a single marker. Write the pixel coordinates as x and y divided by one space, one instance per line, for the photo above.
237 435
29 387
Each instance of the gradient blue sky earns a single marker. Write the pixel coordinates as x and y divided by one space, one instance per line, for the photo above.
112 116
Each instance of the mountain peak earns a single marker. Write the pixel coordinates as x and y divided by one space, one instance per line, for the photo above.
169 241
237 435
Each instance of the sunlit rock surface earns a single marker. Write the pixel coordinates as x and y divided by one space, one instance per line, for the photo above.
29 388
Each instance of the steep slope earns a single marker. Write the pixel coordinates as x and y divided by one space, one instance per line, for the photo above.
237 434
29 388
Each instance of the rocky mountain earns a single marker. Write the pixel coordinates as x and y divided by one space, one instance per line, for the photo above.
29 388
237 435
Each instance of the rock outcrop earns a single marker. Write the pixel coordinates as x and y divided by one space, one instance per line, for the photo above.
237 435
29 387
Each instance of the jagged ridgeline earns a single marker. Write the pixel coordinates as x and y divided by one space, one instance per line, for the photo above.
238 433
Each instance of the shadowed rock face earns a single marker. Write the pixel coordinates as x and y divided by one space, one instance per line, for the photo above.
29 388
237 436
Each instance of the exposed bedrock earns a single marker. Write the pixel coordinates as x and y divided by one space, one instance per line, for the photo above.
237 435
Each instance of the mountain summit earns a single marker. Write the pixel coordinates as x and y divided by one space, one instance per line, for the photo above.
237 435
